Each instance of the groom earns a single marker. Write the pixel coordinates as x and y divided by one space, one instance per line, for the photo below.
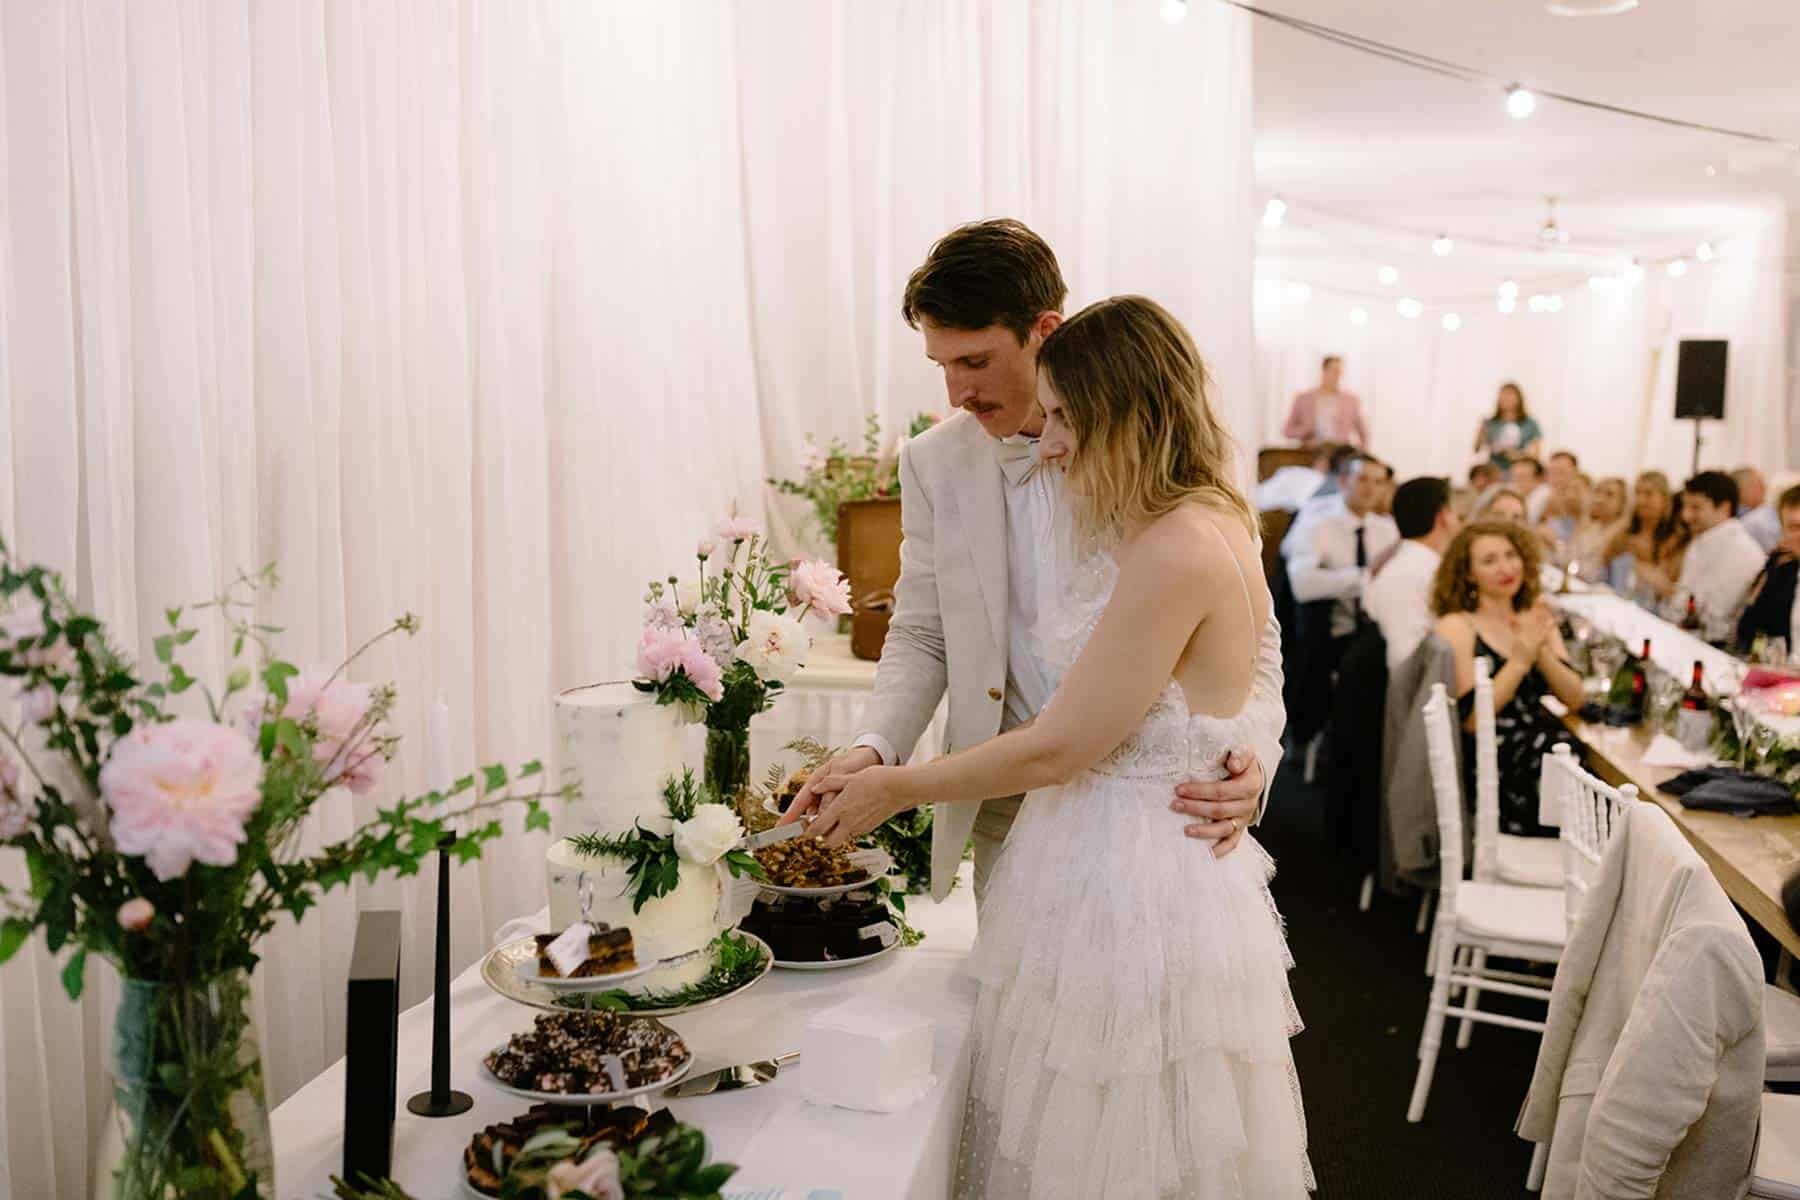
974 517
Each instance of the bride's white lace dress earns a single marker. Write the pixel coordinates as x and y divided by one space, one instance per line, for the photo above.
1131 1037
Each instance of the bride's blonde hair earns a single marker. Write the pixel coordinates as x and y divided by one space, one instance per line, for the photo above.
1134 391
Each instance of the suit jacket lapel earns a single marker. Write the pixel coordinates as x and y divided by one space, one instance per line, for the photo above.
986 515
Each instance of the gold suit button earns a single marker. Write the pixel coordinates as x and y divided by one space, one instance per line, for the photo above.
996 694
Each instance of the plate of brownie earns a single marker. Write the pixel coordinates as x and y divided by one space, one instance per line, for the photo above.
582 1058
805 866
610 960
823 934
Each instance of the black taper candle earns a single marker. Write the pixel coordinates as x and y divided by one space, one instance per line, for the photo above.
441 1100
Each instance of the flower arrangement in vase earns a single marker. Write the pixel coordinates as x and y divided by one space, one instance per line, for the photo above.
830 476
159 820
725 641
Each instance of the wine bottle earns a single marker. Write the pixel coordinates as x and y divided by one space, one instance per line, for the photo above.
1694 719
1690 621
1640 681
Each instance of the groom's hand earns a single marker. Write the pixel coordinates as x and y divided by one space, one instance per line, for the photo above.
1226 806
849 762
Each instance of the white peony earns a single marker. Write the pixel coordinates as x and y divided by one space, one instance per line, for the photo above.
775 647
704 838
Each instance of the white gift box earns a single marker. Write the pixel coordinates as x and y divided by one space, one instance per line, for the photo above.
868 1054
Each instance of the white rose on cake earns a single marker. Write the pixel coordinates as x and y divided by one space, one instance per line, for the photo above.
704 838
776 646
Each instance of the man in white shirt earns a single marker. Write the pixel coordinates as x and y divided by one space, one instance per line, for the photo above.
1722 559
1527 476
1398 599
1291 487
1754 511
1330 553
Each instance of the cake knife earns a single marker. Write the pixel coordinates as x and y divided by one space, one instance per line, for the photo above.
777 833
728 1079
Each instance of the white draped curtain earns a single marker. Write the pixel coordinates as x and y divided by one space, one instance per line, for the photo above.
1598 376
483 310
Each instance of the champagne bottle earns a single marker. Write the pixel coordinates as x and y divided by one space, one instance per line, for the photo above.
1694 719
1690 621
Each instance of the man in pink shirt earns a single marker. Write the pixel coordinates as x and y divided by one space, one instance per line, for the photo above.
1327 414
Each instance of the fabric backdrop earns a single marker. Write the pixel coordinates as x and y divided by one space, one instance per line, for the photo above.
483 310
1598 376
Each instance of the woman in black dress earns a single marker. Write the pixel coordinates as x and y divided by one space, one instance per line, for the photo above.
1486 594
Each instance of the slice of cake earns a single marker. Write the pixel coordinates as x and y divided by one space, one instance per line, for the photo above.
609 951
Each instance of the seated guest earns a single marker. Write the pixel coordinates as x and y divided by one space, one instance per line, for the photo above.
1499 504
1384 502
1761 520
1563 467
1566 513
1327 414
1398 599
1722 559
1527 476
1348 464
1774 608
1653 537
1328 556
1487 599
1510 432
1605 518
1483 476
1290 487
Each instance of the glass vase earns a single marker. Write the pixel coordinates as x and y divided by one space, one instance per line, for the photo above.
189 1117
728 762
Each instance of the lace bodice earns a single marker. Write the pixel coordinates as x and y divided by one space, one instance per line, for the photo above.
1170 741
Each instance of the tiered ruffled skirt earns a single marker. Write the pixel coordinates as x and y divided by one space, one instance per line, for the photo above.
1131 1039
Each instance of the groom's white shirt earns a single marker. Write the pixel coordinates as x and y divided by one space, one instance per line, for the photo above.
962 609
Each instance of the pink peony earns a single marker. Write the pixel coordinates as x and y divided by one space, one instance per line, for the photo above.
820 587
338 710
27 621
737 529
662 652
181 792
38 703
135 915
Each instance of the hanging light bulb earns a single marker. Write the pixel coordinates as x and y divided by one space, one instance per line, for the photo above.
1550 231
1520 103
1452 322
1677 268
1508 304
1553 304
1409 308
1359 316
1274 212
1388 276
1509 290
1443 245
1704 252
1174 11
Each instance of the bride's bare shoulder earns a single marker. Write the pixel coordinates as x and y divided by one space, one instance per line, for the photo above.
1195 543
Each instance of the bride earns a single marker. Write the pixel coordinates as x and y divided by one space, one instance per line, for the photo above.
1131 1039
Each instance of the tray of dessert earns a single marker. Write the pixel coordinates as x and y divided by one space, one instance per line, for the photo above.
735 963
491 1153
585 1058
824 934
805 866
568 962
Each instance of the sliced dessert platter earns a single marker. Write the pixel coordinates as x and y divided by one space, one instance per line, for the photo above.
580 1059
548 1151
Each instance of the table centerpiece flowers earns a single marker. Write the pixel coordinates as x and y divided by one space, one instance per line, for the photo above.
160 819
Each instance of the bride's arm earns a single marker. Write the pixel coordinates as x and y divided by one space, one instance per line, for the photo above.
1126 664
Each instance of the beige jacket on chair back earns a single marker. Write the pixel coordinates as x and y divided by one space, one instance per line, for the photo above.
1649 1078
949 628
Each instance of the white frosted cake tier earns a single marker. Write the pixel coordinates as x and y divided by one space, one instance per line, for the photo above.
623 747
684 920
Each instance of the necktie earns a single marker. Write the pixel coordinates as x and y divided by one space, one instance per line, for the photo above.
1362 549
1016 459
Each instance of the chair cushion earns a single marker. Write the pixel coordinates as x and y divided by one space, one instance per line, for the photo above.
1530 861
1518 914
1776 1175
1781 1027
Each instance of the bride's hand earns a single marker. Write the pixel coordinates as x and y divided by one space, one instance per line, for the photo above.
855 804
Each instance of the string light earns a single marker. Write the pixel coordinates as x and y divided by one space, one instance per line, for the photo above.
1359 316
1389 276
1507 305
1553 303
1274 211
1704 252
1677 268
1452 322
1443 245
1520 103
1538 303
1409 308
1634 272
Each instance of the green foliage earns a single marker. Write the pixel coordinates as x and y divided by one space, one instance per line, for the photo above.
834 476
737 960
655 867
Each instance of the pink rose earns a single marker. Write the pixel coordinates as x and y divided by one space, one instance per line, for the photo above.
820 587
180 793
38 703
135 915
348 754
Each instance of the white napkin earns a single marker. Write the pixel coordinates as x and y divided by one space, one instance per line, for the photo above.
1665 751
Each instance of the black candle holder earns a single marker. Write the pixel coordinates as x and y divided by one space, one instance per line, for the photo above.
442 1100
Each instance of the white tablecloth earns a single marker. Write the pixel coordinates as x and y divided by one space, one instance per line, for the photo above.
785 1148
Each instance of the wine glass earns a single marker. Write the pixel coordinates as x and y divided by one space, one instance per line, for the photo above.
1743 722
1773 652
1665 693
1763 739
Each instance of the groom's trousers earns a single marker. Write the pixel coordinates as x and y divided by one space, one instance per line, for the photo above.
992 824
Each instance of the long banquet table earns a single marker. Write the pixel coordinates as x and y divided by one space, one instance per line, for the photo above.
783 1146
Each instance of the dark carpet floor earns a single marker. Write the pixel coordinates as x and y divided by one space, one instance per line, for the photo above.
1360 983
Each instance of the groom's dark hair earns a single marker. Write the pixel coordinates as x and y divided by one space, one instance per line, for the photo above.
986 273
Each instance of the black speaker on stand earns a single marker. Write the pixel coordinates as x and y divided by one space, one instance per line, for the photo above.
1700 385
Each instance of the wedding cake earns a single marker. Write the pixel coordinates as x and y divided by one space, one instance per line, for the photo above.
625 748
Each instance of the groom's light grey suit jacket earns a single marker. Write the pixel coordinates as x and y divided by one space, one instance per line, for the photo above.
949 628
